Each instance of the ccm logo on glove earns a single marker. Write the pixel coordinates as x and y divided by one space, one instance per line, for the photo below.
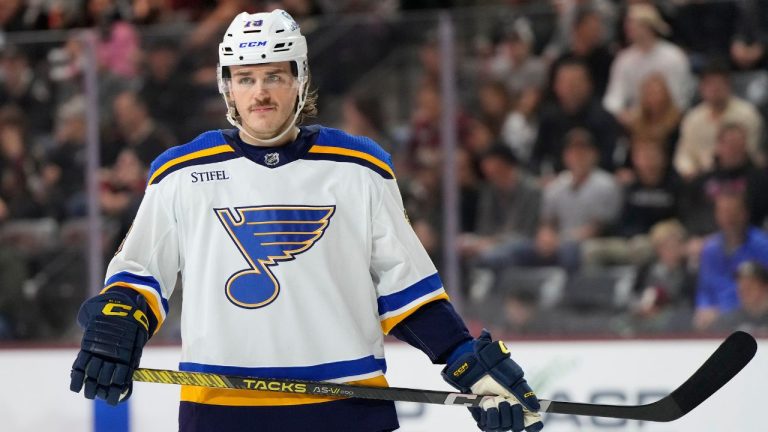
138 315
461 369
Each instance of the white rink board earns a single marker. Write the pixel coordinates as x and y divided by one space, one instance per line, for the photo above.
34 395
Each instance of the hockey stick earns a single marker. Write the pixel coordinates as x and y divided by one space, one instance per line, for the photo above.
732 355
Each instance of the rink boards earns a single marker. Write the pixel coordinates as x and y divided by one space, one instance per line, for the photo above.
35 396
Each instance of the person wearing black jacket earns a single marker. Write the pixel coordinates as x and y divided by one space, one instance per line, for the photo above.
574 106
733 172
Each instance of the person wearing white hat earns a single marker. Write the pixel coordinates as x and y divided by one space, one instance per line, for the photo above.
648 53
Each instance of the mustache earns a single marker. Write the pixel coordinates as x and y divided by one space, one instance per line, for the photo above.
264 104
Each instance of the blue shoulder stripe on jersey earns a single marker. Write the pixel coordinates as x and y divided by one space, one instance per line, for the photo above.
320 372
339 146
354 160
135 279
392 302
208 147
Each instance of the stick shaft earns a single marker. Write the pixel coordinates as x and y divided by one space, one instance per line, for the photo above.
732 355
302 387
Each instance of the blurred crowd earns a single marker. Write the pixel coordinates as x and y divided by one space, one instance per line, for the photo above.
611 158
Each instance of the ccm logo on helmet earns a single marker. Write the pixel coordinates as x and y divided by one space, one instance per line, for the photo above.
253 44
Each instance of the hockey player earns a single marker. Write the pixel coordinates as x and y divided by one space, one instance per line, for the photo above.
296 258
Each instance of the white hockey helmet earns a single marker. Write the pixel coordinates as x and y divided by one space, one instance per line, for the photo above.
257 39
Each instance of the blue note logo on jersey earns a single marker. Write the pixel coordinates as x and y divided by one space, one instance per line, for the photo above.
266 236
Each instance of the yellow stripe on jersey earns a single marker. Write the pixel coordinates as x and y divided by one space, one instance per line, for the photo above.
213 396
225 148
352 153
388 324
151 300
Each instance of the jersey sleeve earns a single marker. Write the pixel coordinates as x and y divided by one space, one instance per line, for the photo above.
404 275
148 260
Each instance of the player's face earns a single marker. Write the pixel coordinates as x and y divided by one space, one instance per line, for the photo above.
265 97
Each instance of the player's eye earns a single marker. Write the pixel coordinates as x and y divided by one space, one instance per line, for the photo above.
245 81
274 79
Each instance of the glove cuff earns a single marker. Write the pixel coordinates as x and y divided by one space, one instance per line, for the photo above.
463 372
463 348
121 303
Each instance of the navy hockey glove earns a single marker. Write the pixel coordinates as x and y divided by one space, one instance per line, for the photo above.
484 367
116 329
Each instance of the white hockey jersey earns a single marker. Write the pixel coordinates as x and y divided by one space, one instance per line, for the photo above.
294 265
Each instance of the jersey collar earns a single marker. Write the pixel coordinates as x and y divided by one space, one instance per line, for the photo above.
273 157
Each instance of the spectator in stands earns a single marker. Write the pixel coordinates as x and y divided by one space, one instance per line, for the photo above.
748 53
424 203
506 117
514 63
495 103
652 193
521 127
122 187
734 29
664 291
656 118
65 66
22 86
136 130
164 84
480 138
504 215
429 62
752 313
581 203
20 15
574 106
64 173
653 190
123 183
20 192
646 54
423 144
706 28
117 50
700 126
748 44
522 315
735 243
733 172
587 44
569 13
13 274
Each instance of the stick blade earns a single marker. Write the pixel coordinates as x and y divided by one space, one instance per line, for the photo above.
727 361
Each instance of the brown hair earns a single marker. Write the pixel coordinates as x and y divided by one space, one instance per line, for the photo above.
310 103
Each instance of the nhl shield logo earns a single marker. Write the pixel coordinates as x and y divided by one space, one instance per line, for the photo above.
272 159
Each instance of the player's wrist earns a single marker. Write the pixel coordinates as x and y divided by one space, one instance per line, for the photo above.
463 348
